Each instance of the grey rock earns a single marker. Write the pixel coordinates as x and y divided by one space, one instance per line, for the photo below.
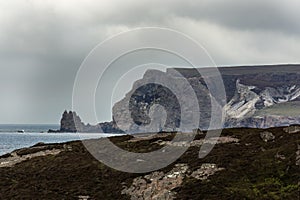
157 185
206 170
298 156
71 122
197 131
292 129
267 136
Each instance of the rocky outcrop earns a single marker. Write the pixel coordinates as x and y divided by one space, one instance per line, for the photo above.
243 103
246 102
157 185
298 156
292 129
206 170
197 131
109 127
199 143
267 136
84 197
25 154
71 123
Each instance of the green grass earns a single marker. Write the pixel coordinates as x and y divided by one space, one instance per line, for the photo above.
291 109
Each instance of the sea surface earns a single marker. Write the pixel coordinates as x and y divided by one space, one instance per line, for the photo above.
11 140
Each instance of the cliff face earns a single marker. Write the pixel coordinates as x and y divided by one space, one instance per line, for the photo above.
251 93
256 96
246 108
144 98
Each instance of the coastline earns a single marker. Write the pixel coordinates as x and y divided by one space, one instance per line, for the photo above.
10 141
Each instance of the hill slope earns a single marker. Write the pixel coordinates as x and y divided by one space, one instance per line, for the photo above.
245 164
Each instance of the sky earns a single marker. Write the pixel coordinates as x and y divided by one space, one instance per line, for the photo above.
43 43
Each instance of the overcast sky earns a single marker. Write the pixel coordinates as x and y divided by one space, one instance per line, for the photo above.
43 43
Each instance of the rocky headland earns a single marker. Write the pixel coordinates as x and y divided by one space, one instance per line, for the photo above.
256 97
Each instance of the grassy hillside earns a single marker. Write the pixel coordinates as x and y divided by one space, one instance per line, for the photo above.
291 109
252 169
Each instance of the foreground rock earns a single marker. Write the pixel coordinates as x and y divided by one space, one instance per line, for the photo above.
206 170
298 156
39 150
267 136
292 129
241 166
157 185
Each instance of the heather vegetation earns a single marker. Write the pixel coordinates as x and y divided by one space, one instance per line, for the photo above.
248 169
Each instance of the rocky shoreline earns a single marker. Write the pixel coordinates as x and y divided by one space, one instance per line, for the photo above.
245 164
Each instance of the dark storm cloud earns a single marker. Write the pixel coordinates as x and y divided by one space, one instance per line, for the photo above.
247 15
44 42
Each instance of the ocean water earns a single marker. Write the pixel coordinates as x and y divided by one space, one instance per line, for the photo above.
10 139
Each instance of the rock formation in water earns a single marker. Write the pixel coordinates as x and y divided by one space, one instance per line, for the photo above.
71 122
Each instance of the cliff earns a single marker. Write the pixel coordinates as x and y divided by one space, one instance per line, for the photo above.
257 96
244 164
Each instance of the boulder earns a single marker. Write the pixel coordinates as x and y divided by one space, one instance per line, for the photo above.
292 129
197 131
267 136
